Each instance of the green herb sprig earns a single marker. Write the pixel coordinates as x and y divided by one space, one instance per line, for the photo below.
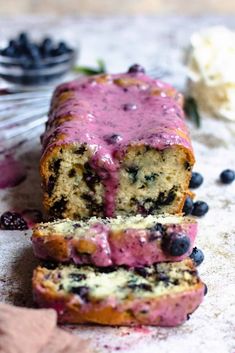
191 110
88 71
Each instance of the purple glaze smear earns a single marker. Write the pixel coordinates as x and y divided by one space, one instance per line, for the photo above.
138 109
12 172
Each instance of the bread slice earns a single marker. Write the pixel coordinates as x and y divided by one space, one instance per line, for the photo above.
115 145
132 241
163 295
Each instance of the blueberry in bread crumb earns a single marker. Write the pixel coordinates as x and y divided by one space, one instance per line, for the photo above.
135 69
141 271
197 256
200 208
176 244
132 171
82 291
141 286
12 221
227 176
58 207
77 276
196 180
188 206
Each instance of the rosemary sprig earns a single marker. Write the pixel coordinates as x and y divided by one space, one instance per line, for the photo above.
191 110
88 71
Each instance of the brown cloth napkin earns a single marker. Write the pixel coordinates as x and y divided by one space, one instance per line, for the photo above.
34 331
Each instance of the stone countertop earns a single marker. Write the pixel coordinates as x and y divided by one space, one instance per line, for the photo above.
158 43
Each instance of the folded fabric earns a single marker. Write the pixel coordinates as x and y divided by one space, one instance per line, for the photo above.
25 330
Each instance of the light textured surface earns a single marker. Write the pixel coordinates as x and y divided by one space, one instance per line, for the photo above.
116 7
155 42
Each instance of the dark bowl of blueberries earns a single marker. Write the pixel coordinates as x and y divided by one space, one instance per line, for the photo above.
24 61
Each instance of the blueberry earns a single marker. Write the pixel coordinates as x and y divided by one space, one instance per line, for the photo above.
61 49
34 52
205 289
108 269
158 227
135 69
23 38
46 47
188 206
12 221
141 271
132 171
113 139
82 291
200 208
12 43
227 176
77 276
196 180
9 51
129 106
141 286
197 256
26 63
176 244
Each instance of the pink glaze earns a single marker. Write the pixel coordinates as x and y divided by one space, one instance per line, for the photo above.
100 111
133 247
167 311
12 172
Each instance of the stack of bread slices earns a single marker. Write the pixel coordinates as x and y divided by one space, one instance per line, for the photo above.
116 166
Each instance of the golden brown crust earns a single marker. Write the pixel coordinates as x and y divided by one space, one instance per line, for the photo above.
54 141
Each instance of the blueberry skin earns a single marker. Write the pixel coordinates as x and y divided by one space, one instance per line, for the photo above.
23 38
188 206
135 69
12 221
196 180
46 47
176 244
200 208
9 51
197 256
227 176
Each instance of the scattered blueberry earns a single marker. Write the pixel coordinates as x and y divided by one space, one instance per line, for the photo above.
176 244
200 208
227 176
135 69
12 221
188 206
205 289
196 180
197 256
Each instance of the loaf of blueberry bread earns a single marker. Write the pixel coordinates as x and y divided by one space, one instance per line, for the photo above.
164 294
115 145
131 241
